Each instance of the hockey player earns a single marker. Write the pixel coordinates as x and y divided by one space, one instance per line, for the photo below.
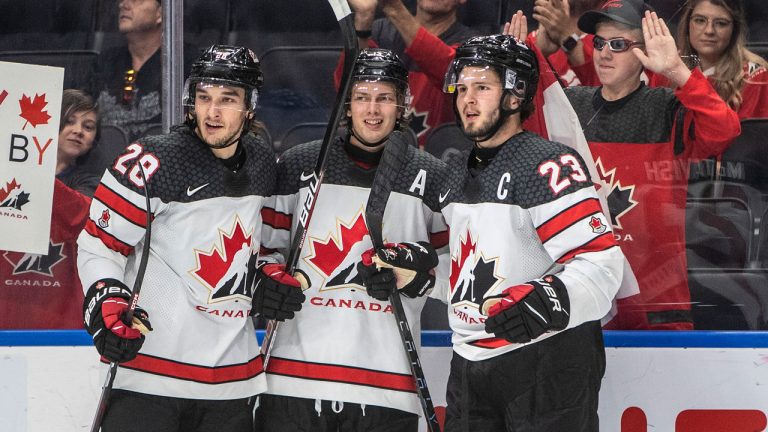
533 262
208 180
339 365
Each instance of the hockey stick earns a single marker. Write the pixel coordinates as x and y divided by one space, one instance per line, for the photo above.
347 25
106 389
392 162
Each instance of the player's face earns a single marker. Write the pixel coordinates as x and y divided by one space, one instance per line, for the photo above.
220 112
77 136
710 30
374 110
478 96
617 69
139 16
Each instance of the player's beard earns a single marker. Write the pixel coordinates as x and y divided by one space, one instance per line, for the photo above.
483 129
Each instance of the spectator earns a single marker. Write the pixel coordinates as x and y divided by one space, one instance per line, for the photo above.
339 365
716 32
207 180
559 37
426 42
44 291
78 134
533 262
128 81
642 140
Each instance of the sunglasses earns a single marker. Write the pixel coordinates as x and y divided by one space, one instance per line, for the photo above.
129 88
618 44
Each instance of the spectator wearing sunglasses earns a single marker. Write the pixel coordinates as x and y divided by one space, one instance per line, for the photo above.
128 79
642 140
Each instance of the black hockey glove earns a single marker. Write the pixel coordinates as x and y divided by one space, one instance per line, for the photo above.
276 294
524 312
411 267
104 311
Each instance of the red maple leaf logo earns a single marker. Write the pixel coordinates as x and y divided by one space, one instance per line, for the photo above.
7 189
213 265
3 94
466 249
32 110
328 255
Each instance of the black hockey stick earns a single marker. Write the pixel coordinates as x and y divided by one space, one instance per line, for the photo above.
393 160
347 25
106 389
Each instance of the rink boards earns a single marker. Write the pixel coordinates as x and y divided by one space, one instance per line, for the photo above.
655 381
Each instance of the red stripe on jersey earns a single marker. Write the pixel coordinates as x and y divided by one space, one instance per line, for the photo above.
275 219
123 207
439 239
597 244
201 374
491 343
106 238
568 217
342 374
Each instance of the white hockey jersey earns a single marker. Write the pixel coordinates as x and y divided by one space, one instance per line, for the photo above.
206 233
344 345
532 211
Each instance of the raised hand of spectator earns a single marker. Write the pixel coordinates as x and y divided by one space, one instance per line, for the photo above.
554 16
517 26
661 54
365 12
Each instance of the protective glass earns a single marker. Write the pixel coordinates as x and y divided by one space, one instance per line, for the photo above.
379 91
616 44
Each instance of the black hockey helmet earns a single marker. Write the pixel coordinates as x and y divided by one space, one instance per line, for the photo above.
227 65
515 63
379 64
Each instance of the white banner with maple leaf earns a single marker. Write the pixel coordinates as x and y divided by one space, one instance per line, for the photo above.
30 107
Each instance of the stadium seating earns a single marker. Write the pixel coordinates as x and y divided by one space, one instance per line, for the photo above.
746 159
729 300
79 65
719 233
301 133
112 141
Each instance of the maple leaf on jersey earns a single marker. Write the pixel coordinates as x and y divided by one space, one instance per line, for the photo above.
32 110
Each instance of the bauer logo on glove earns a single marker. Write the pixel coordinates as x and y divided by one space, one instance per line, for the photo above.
410 265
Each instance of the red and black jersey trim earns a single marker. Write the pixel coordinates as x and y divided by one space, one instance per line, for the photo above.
571 215
109 240
439 239
196 373
597 244
126 209
490 343
276 219
341 374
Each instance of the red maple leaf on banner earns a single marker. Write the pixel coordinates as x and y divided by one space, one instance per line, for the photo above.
32 110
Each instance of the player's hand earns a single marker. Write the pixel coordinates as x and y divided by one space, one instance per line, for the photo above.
105 308
412 267
524 312
276 294
661 54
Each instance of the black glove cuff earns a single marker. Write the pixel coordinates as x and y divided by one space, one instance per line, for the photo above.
97 293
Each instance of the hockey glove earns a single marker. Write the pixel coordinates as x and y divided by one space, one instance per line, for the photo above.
276 294
524 312
411 265
104 311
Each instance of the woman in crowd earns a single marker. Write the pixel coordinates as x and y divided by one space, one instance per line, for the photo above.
78 134
715 31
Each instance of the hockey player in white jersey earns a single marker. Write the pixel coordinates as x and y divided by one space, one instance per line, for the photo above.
208 180
340 365
526 223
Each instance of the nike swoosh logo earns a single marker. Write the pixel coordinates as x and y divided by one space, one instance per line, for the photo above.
305 177
443 197
191 192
